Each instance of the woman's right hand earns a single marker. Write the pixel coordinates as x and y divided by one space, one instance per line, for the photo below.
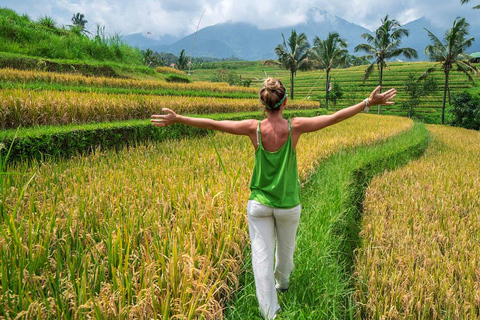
382 98
162 120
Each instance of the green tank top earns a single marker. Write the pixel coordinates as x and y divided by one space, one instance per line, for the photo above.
275 175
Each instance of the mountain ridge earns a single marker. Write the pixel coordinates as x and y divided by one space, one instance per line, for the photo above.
248 42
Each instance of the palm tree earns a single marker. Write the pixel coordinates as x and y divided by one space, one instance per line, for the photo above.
182 62
451 53
79 22
384 45
329 53
467 1
293 55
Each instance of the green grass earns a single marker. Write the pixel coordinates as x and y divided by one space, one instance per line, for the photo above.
321 285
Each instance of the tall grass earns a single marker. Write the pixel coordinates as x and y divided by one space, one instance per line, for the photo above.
148 232
19 34
420 252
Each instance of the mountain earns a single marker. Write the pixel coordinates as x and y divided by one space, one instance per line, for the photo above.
143 42
248 42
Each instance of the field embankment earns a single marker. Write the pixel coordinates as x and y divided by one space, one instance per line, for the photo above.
420 251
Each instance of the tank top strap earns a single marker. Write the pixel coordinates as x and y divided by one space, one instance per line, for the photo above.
258 131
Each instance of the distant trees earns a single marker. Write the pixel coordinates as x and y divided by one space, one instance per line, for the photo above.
293 55
451 53
384 45
329 53
152 59
182 62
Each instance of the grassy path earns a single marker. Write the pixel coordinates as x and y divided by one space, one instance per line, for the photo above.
328 233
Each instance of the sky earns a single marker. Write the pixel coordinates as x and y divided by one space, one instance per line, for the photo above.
178 18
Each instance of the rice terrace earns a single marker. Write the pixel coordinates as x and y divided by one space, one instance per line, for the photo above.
105 216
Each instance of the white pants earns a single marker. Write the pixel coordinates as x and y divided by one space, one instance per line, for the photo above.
265 224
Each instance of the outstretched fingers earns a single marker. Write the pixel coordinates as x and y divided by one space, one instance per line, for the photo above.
158 120
161 120
388 96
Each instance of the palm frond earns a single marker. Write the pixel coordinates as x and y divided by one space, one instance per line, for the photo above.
368 37
364 47
427 72
465 69
368 72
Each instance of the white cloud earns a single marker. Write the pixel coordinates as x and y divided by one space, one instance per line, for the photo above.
179 18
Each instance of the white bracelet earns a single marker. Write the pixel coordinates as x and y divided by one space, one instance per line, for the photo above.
366 105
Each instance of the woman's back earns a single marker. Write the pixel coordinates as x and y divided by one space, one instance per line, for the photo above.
274 133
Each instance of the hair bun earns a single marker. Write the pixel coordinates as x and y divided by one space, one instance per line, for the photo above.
271 84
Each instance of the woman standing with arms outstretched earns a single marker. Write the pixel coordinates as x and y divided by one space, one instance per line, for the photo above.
274 207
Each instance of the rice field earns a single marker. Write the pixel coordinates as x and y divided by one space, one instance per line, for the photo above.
21 76
26 108
157 231
420 253
310 85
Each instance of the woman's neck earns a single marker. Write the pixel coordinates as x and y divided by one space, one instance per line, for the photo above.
274 116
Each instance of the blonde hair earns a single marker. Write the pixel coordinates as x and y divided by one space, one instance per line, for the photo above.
273 94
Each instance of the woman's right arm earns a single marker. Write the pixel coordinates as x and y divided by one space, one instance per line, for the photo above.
244 127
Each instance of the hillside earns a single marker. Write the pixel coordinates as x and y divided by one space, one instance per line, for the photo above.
27 44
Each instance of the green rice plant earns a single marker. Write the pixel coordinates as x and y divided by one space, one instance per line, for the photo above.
420 235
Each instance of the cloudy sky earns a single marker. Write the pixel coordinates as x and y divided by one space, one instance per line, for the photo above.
181 17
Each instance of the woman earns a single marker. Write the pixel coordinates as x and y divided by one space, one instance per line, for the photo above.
274 207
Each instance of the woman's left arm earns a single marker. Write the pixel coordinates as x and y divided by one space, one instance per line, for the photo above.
303 125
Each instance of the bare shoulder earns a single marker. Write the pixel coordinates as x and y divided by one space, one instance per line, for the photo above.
309 124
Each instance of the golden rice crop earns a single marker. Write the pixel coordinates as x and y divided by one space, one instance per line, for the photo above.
155 231
22 76
421 229
29 108
169 70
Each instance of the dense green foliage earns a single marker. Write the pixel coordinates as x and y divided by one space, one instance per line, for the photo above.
19 34
177 78
466 110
